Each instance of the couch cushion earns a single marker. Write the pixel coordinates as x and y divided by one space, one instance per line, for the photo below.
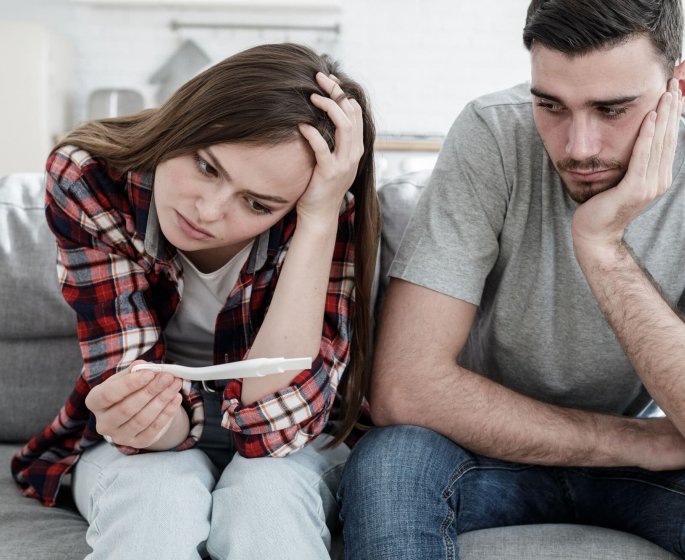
30 531
398 198
40 354
30 297
557 542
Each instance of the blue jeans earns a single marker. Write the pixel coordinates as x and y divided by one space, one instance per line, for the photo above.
407 492
208 501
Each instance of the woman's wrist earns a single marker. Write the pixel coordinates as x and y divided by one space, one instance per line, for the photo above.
320 225
176 434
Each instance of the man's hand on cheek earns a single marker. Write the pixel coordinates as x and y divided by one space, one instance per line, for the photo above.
599 224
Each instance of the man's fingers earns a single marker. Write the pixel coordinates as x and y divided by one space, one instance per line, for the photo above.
670 139
663 111
638 165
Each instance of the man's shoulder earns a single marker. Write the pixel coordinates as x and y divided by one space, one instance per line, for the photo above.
516 97
506 114
503 118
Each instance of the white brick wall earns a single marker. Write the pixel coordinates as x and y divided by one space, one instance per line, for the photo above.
421 60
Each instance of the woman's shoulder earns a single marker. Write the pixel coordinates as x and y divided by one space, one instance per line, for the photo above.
71 163
73 170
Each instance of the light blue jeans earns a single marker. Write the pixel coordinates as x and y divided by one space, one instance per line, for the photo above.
407 492
181 506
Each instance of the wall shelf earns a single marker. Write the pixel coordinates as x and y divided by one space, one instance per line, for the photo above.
311 5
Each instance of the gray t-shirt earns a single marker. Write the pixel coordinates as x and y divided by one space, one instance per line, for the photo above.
493 228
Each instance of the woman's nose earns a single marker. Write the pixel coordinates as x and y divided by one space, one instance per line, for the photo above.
211 208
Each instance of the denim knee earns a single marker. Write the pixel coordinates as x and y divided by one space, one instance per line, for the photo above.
281 496
151 505
394 495
162 476
401 455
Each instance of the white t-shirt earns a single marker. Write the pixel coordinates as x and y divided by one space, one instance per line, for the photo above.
189 336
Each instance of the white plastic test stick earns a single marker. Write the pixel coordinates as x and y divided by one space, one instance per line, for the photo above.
256 367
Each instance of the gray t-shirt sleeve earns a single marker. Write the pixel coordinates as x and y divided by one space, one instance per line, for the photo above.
451 242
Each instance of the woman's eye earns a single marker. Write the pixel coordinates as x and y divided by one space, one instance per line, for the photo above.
204 167
257 207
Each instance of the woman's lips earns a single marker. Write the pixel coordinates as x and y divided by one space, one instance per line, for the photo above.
191 230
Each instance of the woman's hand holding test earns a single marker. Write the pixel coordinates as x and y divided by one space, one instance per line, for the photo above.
141 410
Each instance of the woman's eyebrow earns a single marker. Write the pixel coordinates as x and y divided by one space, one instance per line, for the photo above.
270 197
215 162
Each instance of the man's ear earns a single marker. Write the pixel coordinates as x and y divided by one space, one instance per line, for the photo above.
679 74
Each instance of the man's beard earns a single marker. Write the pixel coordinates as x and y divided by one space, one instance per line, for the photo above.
591 188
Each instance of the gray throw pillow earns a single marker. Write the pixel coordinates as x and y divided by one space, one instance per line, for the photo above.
398 199
39 354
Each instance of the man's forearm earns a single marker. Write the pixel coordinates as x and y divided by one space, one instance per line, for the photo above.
651 333
489 419
416 380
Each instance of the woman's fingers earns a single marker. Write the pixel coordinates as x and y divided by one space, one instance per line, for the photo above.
150 423
322 152
335 169
117 388
359 125
344 123
128 404
331 85
349 107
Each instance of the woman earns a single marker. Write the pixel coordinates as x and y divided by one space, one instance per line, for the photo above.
239 220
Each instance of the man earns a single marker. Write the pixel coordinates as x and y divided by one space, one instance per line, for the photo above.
530 317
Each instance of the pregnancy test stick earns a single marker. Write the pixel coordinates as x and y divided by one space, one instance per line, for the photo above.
256 367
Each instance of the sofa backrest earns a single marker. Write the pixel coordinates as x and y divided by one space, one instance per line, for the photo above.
398 198
39 355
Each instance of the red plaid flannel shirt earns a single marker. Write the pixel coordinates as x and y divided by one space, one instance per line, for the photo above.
124 282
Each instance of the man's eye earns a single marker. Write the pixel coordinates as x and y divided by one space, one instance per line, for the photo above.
204 167
612 112
550 106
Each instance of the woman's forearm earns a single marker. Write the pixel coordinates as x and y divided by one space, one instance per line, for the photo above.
293 325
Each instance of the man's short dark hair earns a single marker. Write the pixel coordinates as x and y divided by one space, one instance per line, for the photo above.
578 27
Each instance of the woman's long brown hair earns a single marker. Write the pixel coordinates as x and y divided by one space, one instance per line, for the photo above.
258 96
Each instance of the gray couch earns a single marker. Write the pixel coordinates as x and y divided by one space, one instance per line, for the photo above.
40 360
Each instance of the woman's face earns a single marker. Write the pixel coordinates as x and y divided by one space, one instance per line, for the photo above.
212 203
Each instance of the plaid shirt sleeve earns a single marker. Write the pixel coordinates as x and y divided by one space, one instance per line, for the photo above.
289 419
103 272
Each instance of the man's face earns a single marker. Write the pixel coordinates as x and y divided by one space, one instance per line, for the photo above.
588 110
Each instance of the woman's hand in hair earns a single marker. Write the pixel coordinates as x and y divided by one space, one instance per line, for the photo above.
334 171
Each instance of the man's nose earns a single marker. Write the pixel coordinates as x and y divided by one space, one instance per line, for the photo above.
583 139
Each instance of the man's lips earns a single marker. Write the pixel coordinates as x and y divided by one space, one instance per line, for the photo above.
590 176
191 230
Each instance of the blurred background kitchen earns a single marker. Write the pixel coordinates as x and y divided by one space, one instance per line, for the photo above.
66 61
